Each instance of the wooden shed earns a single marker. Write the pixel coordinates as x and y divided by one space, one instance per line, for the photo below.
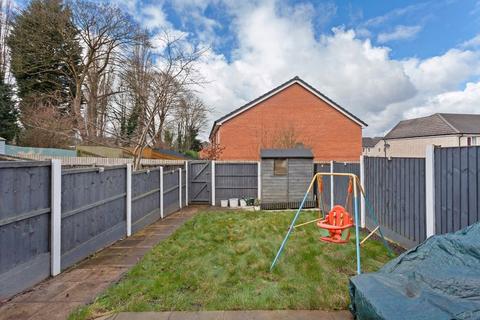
286 174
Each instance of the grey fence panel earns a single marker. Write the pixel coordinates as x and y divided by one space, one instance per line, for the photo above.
324 167
24 225
170 192
235 180
396 192
340 184
145 198
457 188
93 211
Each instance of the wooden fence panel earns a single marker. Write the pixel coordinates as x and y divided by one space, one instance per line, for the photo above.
457 188
235 180
145 198
93 211
170 192
396 192
24 225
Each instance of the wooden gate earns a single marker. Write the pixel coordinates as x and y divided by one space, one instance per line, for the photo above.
200 181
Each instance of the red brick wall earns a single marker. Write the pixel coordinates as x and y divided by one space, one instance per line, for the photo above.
293 112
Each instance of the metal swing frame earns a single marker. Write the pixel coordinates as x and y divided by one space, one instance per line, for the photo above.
297 214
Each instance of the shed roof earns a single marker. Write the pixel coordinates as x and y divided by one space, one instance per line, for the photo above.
286 153
436 124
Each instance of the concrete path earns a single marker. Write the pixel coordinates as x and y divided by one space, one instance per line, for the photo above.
57 297
235 315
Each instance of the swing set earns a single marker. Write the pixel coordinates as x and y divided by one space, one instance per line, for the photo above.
338 222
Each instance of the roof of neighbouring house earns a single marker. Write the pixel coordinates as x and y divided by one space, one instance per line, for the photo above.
368 142
286 153
436 124
295 80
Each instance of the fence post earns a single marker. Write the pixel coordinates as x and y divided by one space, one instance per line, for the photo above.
180 187
161 192
362 197
186 183
56 217
430 190
259 180
332 180
129 200
213 182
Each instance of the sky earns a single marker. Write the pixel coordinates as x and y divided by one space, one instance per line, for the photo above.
384 61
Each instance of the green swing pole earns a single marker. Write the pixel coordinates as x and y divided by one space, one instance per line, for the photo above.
292 224
357 238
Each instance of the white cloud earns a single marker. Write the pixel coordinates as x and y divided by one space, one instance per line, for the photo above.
472 43
459 101
153 17
399 33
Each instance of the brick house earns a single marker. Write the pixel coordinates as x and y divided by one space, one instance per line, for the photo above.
291 114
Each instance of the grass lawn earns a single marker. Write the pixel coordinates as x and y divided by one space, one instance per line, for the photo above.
220 261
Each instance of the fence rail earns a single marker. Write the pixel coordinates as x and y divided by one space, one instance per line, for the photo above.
95 161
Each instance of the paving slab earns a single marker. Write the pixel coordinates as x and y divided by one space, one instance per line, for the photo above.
236 315
56 298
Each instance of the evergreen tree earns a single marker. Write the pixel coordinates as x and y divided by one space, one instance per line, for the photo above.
8 113
43 43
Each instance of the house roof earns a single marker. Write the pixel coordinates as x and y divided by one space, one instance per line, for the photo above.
436 124
295 80
368 142
286 153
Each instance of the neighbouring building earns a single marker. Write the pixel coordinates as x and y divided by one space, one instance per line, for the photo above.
409 138
292 114
368 145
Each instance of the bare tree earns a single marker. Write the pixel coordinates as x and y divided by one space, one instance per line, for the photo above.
174 73
104 31
5 23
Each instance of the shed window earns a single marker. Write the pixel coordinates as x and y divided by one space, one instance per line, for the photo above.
280 167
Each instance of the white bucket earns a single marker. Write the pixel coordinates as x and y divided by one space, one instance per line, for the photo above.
223 203
243 203
234 203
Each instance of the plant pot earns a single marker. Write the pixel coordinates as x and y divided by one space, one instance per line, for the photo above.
243 203
233 203
224 203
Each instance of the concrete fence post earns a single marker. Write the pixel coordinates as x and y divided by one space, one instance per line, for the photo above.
161 192
213 182
56 217
129 199
180 187
362 198
259 180
332 181
430 190
186 183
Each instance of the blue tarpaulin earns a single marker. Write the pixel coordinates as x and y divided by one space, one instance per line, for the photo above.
438 279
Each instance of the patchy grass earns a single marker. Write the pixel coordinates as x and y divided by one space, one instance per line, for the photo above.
221 260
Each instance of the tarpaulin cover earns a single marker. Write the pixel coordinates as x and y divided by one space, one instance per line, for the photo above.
438 279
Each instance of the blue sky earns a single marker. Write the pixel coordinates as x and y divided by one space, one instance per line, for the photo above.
382 60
